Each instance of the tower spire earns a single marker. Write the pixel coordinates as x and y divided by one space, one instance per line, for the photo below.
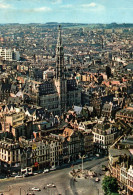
59 56
60 81
59 42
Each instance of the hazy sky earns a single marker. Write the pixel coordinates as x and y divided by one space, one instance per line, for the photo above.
79 11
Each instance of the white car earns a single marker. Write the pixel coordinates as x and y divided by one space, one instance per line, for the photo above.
53 168
35 189
51 185
46 171
35 173
48 185
97 155
19 176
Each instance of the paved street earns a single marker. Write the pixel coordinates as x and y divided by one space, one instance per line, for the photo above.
65 184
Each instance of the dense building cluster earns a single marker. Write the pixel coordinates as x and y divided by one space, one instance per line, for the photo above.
58 102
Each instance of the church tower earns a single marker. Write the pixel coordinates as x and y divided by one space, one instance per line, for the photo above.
60 81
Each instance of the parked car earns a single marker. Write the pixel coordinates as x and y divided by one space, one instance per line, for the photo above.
52 168
97 155
19 176
13 174
35 189
48 185
51 185
46 171
35 173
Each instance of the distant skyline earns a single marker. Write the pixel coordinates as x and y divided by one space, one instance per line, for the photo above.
73 11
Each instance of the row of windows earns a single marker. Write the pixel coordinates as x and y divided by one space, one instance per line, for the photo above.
49 106
3 157
102 142
102 137
98 136
49 100
5 151
42 152
42 159
56 153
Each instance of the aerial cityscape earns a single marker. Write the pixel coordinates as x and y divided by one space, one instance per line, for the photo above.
66 98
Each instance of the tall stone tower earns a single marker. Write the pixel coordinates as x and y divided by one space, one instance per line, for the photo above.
60 81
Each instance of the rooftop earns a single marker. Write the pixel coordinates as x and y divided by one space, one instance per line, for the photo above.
115 152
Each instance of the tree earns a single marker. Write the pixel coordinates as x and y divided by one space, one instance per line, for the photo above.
109 185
